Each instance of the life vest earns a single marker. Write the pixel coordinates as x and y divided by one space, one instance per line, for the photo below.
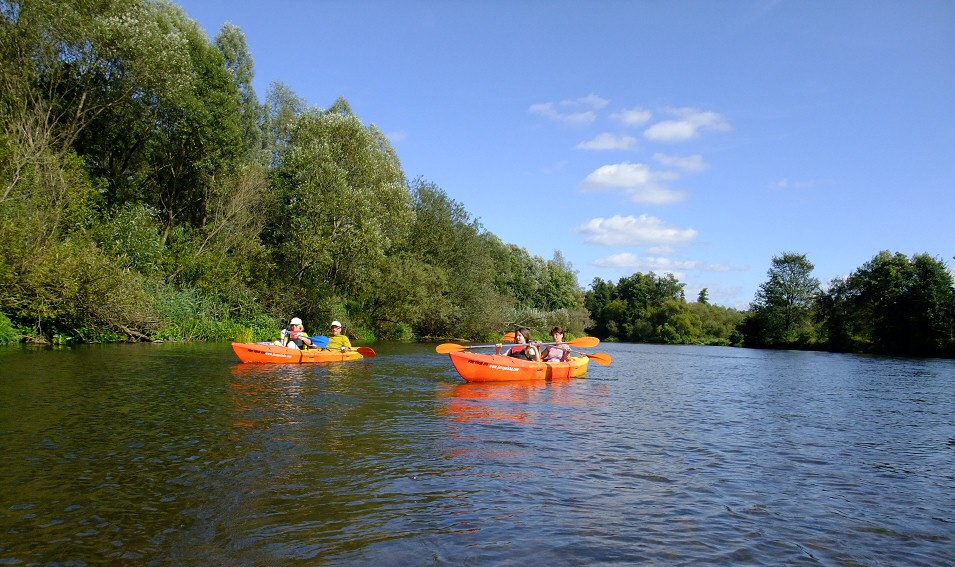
520 351
298 341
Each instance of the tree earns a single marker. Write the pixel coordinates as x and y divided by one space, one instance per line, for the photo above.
893 304
703 297
784 302
238 60
345 204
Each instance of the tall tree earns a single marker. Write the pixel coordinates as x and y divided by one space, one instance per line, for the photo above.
345 204
784 302
238 60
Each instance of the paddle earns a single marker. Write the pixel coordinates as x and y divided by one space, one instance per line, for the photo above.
598 357
583 342
445 348
367 352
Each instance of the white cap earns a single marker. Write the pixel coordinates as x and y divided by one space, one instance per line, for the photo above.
295 321
336 323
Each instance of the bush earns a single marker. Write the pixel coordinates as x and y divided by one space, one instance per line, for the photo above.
8 334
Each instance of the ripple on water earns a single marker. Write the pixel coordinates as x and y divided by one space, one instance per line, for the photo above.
672 455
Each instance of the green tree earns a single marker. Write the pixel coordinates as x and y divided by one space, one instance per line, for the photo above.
345 204
783 306
892 304
238 60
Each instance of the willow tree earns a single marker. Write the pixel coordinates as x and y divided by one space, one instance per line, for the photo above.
66 66
345 204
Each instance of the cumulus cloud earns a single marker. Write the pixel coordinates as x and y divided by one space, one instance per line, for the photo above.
608 141
629 261
687 124
632 116
576 112
634 231
692 163
637 180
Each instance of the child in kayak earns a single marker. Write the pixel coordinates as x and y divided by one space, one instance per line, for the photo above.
559 351
524 348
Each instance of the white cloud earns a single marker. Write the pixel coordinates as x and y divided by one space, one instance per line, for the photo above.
686 163
576 112
639 182
688 124
632 116
590 100
608 141
396 136
629 261
634 231
787 184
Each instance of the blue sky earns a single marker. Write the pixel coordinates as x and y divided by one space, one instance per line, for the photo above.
692 137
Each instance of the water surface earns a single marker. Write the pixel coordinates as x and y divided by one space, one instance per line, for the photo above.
177 454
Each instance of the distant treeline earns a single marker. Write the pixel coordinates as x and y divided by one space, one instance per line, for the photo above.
147 192
891 305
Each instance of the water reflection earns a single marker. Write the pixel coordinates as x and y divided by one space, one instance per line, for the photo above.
180 455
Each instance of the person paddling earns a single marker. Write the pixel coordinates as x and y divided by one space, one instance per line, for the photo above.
559 351
524 348
338 341
296 337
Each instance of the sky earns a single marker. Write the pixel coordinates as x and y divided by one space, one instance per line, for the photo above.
695 138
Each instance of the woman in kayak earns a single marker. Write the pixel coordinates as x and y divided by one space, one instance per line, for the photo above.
559 351
524 347
296 336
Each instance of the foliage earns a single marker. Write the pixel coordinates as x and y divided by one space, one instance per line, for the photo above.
651 308
146 192
8 333
781 313
344 203
892 304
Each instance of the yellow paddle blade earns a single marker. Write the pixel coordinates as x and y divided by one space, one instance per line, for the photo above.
509 337
600 358
445 348
585 342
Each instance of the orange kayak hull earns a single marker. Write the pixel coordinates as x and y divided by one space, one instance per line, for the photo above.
477 367
275 354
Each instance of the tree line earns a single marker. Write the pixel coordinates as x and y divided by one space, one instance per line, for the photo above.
893 304
148 192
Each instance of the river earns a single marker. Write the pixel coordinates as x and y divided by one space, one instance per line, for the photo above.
169 454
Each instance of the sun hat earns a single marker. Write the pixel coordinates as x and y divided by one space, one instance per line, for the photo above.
295 321
336 323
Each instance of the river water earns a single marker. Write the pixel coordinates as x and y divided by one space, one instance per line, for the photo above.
166 454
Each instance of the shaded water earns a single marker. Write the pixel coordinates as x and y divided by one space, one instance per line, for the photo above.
178 454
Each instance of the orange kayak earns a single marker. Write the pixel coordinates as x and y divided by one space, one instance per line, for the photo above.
255 352
477 367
